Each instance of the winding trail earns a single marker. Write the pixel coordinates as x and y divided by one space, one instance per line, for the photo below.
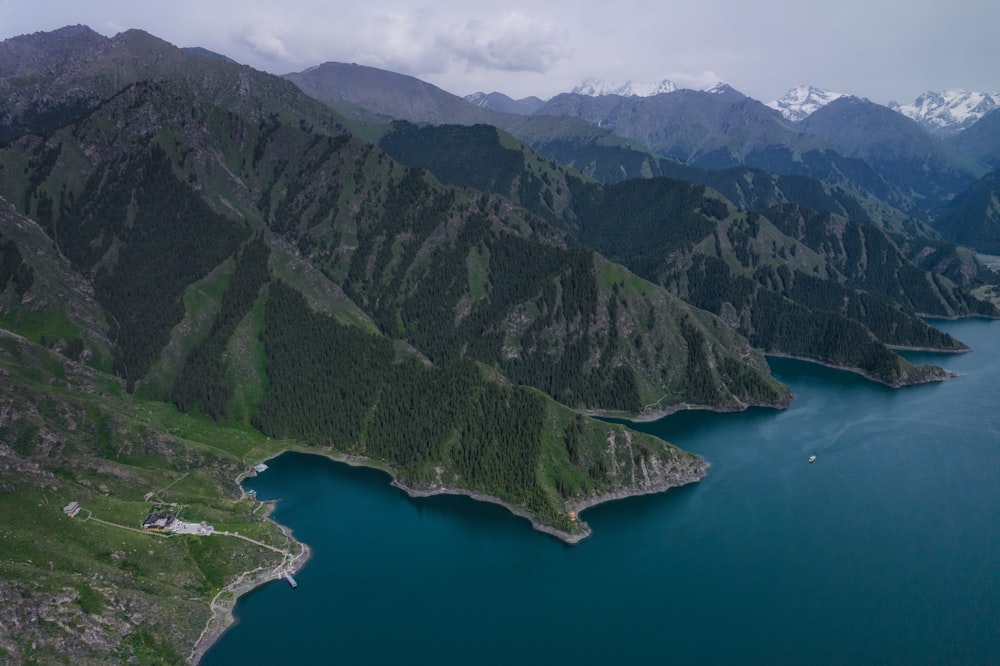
222 604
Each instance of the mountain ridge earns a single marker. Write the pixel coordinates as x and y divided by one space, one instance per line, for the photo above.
948 112
496 101
202 266
802 101
596 87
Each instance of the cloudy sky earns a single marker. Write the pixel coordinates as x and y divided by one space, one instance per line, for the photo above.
881 49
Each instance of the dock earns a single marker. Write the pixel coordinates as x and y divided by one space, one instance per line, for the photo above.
291 581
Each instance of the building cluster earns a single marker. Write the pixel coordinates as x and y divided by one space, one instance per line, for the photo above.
158 522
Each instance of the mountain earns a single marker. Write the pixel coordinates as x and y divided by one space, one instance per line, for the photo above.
758 191
656 226
385 94
376 97
744 140
973 218
948 112
198 50
908 156
596 87
721 131
803 100
814 305
706 129
612 137
201 268
499 102
722 89
981 141
59 48
398 290
51 79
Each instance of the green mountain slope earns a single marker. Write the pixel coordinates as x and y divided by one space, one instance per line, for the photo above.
910 158
868 157
201 267
784 295
981 141
324 378
487 159
52 79
845 270
139 211
973 218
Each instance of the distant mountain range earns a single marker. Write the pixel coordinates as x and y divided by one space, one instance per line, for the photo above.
496 101
949 111
866 149
203 265
600 87
982 140
944 113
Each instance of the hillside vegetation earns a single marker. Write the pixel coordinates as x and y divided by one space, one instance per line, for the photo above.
794 281
201 267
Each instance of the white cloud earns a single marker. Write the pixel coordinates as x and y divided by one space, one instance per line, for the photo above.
403 42
702 81
423 42
511 42
263 39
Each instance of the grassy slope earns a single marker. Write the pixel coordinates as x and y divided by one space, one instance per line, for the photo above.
69 432
99 591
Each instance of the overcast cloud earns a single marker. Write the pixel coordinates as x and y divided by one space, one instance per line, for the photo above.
881 49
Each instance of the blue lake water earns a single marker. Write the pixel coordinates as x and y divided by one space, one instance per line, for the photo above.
885 550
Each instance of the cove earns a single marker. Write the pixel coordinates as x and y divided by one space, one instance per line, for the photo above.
883 550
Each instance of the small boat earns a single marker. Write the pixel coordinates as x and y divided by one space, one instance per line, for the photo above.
812 458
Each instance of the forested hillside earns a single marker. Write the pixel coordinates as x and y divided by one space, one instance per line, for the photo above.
179 214
201 266
973 218
176 285
845 285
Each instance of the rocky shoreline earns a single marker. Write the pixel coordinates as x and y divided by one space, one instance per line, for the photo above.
225 601
223 604
927 378
562 535
657 414
575 505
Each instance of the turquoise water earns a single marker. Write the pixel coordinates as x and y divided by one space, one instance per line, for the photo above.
885 550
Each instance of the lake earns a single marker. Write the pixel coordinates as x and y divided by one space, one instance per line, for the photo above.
885 550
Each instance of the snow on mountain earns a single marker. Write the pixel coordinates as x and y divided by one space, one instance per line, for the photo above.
800 102
722 89
949 111
495 101
599 87
478 98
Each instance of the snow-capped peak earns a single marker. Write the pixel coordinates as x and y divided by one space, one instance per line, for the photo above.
600 87
800 102
720 88
949 111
